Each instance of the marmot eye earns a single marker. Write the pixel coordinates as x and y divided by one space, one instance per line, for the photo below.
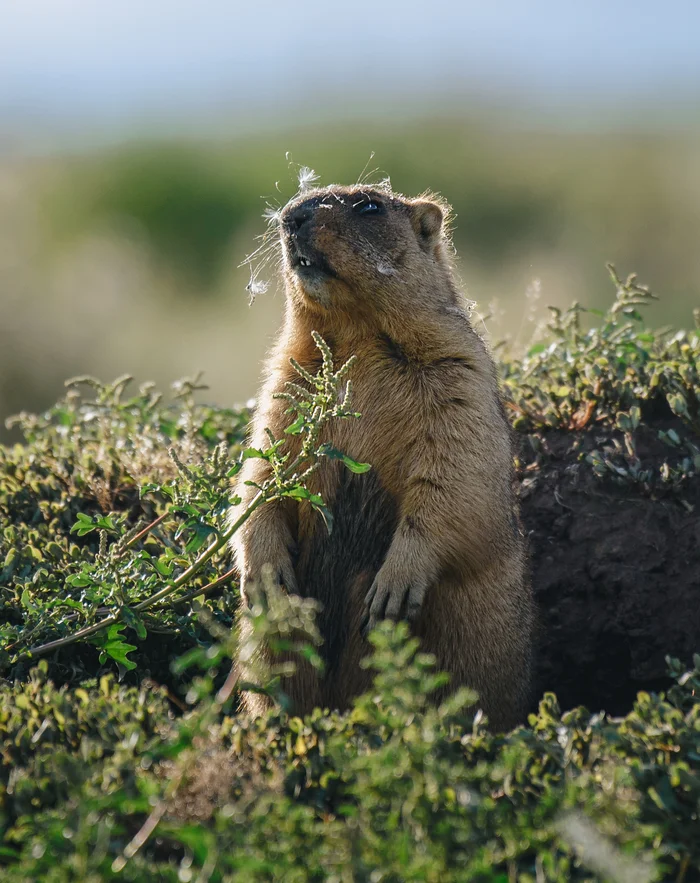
367 207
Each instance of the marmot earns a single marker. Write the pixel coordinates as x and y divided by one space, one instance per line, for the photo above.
431 533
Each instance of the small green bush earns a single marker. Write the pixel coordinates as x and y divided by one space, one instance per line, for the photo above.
396 787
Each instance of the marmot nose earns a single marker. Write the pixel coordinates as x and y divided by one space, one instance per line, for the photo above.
300 214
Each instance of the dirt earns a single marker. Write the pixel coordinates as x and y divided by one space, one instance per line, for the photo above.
615 570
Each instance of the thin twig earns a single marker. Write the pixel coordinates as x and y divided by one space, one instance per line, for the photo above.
228 686
205 590
146 530
43 649
151 823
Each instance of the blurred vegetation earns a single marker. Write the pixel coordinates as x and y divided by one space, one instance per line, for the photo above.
108 256
511 189
158 777
189 203
103 783
187 210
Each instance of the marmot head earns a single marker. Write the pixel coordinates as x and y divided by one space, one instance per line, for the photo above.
365 250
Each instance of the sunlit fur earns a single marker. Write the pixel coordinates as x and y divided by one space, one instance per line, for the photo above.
434 528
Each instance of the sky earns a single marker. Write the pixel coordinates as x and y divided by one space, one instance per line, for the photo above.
114 61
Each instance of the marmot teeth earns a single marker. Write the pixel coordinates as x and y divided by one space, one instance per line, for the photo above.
305 262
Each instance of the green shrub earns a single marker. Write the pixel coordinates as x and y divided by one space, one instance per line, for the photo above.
396 787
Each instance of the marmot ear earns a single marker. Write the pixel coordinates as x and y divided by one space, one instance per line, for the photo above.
427 219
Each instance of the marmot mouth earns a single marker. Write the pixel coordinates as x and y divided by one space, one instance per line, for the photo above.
307 261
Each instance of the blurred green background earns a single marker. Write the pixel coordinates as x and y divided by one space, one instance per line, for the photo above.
122 233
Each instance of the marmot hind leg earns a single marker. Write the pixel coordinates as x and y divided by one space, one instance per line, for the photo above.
480 632
302 688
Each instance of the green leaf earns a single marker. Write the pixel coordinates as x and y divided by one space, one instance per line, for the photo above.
117 650
79 580
296 427
199 538
134 621
537 348
356 467
253 454
325 513
316 500
105 523
83 525
623 422
27 602
163 565
297 493
194 656
112 645
332 453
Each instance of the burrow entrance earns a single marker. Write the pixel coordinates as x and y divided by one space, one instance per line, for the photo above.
615 570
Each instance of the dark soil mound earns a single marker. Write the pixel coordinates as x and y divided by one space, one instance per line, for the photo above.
615 569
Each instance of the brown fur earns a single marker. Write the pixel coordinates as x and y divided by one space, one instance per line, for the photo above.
432 530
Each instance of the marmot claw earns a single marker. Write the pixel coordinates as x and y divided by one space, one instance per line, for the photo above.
392 599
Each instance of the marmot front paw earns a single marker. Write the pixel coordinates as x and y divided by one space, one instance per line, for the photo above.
392 596
281 573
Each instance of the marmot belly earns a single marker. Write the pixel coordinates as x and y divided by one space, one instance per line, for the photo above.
337 569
